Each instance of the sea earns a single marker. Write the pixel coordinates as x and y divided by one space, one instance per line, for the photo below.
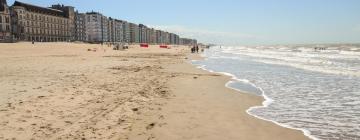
312 88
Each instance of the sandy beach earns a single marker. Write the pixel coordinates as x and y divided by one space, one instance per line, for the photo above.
84 91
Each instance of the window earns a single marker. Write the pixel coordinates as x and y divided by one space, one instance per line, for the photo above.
7 20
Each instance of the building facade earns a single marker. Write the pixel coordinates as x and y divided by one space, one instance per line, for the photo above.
69 25
148 35
152 35
119 31
134 33
34 23
126 32
187 41
166 38
111 30
142 33
80 27
97 26
116 30
172 38
177 39
158 36
5 23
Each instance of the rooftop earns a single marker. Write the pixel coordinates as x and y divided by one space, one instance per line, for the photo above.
31 7
2 5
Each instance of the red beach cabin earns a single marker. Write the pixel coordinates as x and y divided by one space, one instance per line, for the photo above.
144 45
164 46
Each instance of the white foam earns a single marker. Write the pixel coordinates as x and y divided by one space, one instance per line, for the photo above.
268 101
329 61
306 132
316 68
228 86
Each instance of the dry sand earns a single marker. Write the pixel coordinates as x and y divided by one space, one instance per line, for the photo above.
63 91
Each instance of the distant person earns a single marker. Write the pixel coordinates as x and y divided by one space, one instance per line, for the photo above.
193 49
197 49
33 42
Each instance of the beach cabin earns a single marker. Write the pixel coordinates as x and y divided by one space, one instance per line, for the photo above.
144 45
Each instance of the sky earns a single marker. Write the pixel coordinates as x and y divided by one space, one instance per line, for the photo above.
236 22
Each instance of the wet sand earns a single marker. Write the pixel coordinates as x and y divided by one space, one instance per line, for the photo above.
64 91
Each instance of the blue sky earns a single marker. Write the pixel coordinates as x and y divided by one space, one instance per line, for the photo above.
237 22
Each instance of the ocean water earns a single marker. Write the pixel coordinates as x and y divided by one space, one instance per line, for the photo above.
316 91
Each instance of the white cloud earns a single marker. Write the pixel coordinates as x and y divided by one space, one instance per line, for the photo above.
208 36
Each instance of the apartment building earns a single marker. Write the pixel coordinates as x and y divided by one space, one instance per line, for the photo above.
134 33
5 23
187 41
126 32
97 26
80 27
152 36
142 33
116 31
35 23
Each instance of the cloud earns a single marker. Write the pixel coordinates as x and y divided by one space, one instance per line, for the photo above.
208 36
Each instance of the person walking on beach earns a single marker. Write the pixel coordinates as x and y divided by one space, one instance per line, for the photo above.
197 49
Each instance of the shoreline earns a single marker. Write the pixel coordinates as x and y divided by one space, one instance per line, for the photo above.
200 123
63 91
267 100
